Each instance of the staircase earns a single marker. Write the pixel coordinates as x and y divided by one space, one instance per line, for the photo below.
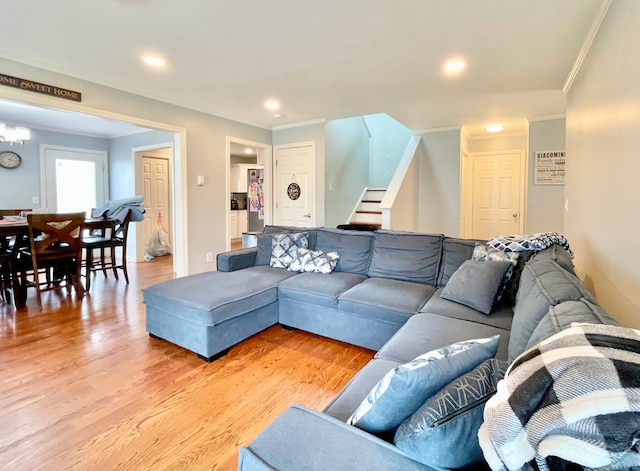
368 211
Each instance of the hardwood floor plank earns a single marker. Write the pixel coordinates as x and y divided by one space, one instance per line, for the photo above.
83 386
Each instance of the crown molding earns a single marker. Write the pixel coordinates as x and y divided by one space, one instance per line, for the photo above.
586 46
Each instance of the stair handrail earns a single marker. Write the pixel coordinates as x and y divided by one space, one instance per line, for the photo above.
396 181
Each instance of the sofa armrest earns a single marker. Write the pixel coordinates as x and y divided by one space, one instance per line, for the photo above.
236 259
301 439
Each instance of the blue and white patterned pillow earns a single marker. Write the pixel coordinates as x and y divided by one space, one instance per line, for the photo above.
443 433
407 387
483 252
284 248
316 261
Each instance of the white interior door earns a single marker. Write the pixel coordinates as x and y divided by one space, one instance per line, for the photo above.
497 194
73 179
155 190
295 168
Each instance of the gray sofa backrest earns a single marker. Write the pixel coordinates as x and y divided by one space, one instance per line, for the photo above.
354 248
406 256
544 283
454 253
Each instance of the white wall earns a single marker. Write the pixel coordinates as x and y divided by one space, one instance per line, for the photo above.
388 141
545 208
346 167
497 143
439 183
603 165
205 150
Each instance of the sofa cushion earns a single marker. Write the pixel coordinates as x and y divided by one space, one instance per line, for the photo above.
284 248
476 284
301 439
386 299
454 253
406 256
558 254
351 396
354 248
560 317
313 261
212 297
443 433
317 288
405 388
501 315
544 283
427 331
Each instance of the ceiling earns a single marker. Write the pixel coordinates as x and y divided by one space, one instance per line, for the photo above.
320 59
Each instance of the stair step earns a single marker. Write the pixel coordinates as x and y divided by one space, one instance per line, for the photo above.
359 211
367 218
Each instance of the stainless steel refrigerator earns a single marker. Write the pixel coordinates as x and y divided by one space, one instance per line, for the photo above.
255 200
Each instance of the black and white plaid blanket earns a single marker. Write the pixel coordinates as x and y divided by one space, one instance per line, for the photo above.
535 242
575 398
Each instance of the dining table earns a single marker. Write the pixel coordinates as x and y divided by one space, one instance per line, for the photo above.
18 228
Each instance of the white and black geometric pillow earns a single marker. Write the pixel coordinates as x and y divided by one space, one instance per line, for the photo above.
284 248
316 261
483 252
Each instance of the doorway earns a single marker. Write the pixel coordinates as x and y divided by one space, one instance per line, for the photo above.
294 189
154 182
260 156
179 170
494 193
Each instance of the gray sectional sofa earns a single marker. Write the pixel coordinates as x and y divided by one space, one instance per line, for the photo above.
388 292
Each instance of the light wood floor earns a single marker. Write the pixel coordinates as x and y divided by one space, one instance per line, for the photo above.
83 387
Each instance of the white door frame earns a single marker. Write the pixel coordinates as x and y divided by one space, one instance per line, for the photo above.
44 201
311 144
265 158
523 184
179 170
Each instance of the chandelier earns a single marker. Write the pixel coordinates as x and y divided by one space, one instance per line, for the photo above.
16 135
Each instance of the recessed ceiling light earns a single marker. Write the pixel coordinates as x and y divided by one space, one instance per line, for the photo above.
154 61
248 150
272 104
497 127
454 66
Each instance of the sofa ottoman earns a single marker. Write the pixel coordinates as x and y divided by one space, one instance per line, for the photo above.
210 312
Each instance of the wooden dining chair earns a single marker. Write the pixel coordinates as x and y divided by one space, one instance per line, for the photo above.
9 284
55 244
117 239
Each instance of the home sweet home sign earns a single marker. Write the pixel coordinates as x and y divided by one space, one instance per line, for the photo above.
37 87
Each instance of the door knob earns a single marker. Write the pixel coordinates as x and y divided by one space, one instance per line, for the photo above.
306 215
515 215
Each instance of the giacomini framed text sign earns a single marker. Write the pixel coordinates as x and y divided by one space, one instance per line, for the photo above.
549 168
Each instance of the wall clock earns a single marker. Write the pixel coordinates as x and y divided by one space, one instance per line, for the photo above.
9 159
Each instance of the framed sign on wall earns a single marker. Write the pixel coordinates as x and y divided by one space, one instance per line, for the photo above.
549 167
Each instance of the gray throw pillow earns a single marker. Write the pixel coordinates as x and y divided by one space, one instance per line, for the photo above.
315 261
443 433
284 248
475 284
406 387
